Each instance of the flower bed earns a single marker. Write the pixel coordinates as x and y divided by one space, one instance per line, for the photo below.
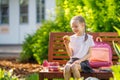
19 69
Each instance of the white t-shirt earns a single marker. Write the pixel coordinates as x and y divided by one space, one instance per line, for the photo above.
79 46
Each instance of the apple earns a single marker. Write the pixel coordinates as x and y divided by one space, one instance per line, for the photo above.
66 37
45 63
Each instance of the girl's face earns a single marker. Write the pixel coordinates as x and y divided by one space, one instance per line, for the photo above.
77 27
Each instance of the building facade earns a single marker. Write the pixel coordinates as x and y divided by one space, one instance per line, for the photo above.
21 17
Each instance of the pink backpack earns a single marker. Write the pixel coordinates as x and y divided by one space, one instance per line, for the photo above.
101 54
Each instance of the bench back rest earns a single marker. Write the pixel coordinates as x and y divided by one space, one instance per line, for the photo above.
57 51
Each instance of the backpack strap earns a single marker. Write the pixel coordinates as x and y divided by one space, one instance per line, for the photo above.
98 39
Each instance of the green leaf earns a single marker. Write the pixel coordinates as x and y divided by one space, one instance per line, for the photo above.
33 76
117 48
37 58
117 29
7 75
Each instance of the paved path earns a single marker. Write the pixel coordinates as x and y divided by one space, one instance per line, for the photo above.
10 50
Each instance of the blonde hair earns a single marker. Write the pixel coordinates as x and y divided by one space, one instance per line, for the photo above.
81 20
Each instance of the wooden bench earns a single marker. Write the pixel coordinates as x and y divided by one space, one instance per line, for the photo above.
57 53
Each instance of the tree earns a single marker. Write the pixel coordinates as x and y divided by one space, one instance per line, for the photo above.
100 15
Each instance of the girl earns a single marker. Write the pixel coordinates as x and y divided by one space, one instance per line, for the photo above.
78 49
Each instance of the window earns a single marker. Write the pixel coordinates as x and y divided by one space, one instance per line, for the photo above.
40 10
4 11
23 11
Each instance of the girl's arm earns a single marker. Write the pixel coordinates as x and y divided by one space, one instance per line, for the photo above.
68 49
84 58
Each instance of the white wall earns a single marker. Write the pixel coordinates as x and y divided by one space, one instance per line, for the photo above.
30 27
12 36
50 9
17 32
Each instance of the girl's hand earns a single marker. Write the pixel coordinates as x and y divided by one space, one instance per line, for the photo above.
77 62
66 37
66 40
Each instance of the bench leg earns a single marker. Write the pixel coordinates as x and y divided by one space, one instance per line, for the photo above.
41 77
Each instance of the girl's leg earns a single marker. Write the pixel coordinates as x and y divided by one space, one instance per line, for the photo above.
76 68
67 72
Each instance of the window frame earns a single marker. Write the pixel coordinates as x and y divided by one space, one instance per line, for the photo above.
24 14
40 11
6 14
